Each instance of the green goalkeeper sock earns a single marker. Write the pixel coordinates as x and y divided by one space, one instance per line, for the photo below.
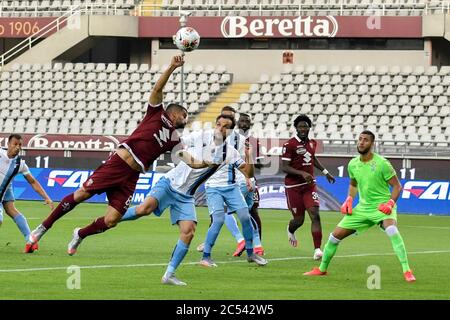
399 246
328 252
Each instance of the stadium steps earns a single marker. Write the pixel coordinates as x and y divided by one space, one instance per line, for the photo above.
151 4
229 96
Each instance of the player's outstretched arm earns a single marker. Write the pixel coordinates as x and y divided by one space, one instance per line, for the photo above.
156 96
319 166
191 161
38 188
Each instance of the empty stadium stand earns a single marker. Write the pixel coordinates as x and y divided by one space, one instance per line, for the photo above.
403 105
94 98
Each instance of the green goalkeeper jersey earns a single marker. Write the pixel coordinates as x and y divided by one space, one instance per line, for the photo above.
372 178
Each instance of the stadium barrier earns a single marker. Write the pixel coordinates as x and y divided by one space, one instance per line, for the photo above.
418 196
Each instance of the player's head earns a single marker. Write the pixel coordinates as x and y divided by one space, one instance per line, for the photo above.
365 142
14 144
178 115
229 111
224 125
244 122
302 124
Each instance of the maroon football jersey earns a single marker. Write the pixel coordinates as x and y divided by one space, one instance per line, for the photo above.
300 156
152 137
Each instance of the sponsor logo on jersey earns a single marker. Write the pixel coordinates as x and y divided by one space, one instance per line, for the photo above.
164 136
307 158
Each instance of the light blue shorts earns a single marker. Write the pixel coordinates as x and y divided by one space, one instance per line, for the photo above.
182 206
219 197
8 196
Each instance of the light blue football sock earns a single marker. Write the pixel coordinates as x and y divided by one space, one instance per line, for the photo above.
178 255
256 238
231 223
130 214
22 224
247 229
214 230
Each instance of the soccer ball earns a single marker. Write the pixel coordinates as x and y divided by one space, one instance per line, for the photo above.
187 39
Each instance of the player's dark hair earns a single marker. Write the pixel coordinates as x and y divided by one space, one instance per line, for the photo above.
173 107
302 117
228 108
225 116
245 115
369 133
14 135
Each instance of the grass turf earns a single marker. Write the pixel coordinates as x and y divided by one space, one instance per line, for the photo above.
128 261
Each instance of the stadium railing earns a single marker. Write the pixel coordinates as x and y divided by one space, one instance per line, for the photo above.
91 8
26 44
224 7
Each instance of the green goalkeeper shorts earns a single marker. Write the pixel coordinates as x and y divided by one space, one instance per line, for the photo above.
361 220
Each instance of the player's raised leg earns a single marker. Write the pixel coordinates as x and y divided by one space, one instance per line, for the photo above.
144 209
99 225
67 204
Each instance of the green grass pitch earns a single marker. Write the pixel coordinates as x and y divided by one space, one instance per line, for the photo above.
128 261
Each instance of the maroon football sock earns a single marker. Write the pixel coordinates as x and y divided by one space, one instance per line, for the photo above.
98 226
66 205
317 238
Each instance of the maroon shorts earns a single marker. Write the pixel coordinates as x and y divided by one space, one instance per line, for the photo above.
115 178
301 198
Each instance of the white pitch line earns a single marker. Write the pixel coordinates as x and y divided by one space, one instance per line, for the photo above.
218 262
276 220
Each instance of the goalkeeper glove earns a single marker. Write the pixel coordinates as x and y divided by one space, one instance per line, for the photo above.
346 207
386 208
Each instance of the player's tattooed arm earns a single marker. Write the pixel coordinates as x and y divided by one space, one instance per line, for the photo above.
156 96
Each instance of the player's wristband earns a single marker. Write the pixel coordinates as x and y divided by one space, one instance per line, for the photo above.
325 171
